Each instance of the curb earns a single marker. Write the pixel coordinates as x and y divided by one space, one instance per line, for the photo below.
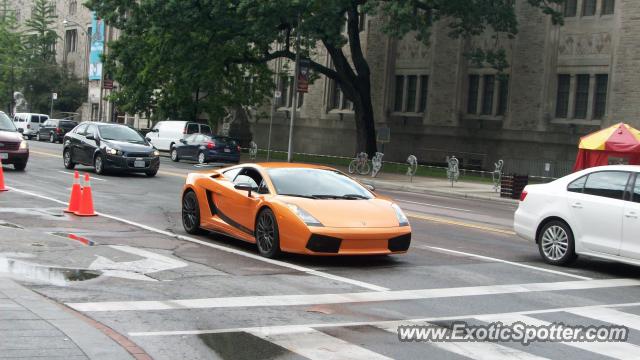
383 185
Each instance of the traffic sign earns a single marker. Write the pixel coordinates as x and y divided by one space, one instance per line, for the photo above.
54 96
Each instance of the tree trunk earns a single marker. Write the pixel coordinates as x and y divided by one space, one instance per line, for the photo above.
365 124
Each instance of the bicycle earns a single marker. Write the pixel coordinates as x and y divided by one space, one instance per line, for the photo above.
360 164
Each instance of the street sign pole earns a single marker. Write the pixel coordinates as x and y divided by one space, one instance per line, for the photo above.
295 94
276 95
54 96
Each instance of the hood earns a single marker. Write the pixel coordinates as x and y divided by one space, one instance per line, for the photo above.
374 213
10 136
127 146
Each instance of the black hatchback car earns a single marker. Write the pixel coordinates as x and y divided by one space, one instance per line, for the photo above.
206 148
107 146
54 129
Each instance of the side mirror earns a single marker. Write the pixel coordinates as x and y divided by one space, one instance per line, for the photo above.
244 187
155 130
370 187
21 130
90 137
183 141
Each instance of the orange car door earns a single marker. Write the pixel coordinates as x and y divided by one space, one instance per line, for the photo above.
235 207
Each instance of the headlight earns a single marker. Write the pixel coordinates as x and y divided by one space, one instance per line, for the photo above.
111 151
402 218
24 145
304 216
156 153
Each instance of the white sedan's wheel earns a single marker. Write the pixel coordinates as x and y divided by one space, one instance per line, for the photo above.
556 243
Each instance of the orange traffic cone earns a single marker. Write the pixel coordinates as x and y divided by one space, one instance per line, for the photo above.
86 200
76 195
2 188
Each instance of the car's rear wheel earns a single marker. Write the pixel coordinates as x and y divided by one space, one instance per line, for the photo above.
191 213
38 137
174 155
52 138
556 243
98 164
267 234
201 158
68 162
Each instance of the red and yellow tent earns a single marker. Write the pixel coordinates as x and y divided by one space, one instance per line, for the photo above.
618 141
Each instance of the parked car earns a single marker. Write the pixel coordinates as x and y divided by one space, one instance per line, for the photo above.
54 129
594 212
165 134
29 123
108 146
13 147
205 148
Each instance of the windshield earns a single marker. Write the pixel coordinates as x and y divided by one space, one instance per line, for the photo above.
119 133
316 183
5 123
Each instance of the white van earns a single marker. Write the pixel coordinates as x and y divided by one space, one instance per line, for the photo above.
29 123
165 134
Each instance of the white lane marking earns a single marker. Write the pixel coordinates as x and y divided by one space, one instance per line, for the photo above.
135 270
314 344
359 297
616 350
90 177
612 316
381 324
432 205
475 350
487 258
283 264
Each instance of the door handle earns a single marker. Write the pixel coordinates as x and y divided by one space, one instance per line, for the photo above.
577 205
631 215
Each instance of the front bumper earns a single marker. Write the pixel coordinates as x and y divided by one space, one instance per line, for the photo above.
15 156
121 163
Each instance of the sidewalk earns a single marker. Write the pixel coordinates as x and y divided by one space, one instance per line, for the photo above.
32 326
433 186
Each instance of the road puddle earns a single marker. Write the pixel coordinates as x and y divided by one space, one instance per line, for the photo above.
10 225
241 345
74 237
52 275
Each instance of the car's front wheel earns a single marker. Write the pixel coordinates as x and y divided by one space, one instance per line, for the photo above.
174 155
98 164
68 162
20 166
556 243
267 234
191 213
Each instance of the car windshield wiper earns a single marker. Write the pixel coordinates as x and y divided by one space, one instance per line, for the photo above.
345 197
301 195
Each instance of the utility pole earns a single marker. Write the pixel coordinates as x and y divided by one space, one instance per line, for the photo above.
294 92
12 90
274 103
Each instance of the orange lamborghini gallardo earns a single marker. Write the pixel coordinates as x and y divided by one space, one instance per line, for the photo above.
294 208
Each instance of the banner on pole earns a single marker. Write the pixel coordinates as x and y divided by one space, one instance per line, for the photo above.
303 76
97 47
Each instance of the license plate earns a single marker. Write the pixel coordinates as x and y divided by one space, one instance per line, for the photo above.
4 156
139 163
227 150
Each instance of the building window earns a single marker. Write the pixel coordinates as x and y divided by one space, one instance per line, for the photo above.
562 99
608 7
582 96
503 96
600 96
570 8
70 41
337 99
472 98
487 94
73 7
411 93
588 7
424 92
287 92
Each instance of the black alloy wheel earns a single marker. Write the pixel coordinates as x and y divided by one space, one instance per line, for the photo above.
267 235
191 213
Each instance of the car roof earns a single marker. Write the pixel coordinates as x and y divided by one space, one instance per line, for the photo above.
615 167
286 165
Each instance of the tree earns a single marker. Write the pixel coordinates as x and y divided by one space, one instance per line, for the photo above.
11 56
245 33
41 36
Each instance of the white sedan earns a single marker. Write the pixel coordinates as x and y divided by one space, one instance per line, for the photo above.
594 212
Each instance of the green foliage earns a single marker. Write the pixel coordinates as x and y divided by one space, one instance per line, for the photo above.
41 37
11 54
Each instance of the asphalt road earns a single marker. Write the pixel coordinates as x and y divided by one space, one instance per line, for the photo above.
211 297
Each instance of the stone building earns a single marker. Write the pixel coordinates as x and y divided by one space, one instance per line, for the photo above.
564 82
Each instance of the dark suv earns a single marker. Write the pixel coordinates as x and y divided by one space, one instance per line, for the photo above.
13 147
54 129
108 146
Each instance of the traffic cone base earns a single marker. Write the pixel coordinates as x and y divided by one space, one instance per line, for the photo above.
2 187
76 195
86 200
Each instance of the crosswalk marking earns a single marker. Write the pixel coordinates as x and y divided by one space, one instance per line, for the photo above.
616 350
612 316
359 297
475 350
314 344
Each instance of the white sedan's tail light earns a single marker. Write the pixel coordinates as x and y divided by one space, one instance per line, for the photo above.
523 195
